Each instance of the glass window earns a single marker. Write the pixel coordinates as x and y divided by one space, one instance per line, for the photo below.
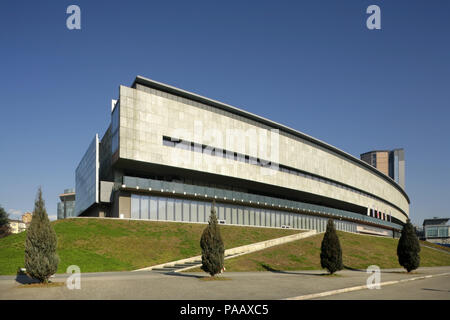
115 142
197 147
162 213
144 207
278 219
115 129
222 212
170 207
245 217
201 211
262 213
168 142
233 217
178 210
443 231
227 216
153 208
268 218
257 216
208 211
240 216
186 213
135 206
209 150
194 209
273 219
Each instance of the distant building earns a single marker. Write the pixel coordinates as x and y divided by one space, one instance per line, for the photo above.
397 166
17 226
419 232
390 162
378 159
26 218
66 207
436 230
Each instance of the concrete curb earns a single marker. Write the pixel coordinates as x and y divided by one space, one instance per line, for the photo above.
350 289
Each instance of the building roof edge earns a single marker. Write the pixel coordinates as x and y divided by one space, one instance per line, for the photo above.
193 96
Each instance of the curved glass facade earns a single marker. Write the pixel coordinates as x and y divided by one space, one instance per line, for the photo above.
187 210
243 200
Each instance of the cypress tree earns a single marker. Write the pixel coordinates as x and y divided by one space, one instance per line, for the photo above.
4 223
41 260
408 248
330 251
212 246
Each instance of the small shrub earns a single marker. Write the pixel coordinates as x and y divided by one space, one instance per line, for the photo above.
41 260
5 229
408 248
212 246
330 250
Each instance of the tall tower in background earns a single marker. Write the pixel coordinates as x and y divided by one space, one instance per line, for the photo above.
397 166
378 159
390 162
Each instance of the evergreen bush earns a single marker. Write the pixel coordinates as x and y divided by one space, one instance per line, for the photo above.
408 248
4 223
330 251
212 246
41 260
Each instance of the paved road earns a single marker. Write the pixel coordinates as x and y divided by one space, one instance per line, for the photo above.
427 289
241 285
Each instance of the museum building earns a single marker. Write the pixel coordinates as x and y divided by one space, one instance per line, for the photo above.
169 153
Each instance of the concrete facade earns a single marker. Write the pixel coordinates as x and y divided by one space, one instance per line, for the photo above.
147 116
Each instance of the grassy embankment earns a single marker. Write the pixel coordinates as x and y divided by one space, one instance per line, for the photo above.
117 245
359 252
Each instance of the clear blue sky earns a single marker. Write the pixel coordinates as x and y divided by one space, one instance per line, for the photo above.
311 65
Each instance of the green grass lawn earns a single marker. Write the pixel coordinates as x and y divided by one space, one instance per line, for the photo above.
359 252
116 245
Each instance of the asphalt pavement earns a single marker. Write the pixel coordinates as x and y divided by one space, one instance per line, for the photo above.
237 285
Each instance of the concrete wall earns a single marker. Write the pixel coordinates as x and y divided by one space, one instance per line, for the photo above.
146 116
121 204
125 206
